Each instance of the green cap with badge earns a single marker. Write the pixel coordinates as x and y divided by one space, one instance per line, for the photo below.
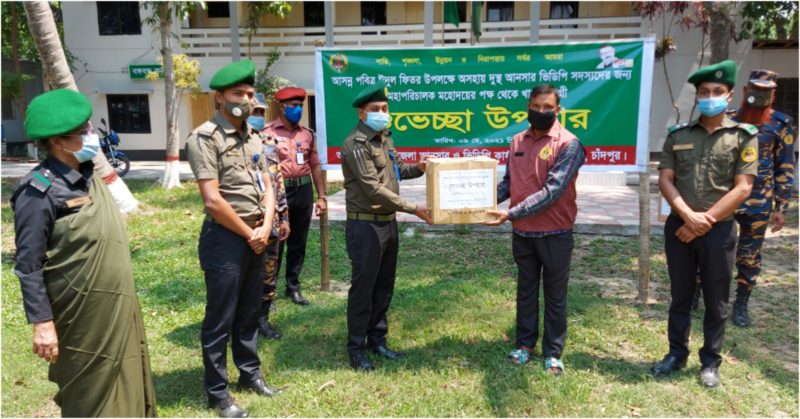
721 72
56 112
378 92
242 71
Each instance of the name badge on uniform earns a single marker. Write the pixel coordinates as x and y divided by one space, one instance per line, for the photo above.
300 158
78 202
681 147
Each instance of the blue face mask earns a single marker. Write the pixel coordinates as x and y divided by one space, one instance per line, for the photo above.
712 106
91 145
377 121
257 122
293 113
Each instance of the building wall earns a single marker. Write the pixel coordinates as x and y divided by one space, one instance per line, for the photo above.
13 128
106 59
687 59
104 70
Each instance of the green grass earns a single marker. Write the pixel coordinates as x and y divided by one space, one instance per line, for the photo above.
453 314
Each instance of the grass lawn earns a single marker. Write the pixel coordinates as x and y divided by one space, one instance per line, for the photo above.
453 314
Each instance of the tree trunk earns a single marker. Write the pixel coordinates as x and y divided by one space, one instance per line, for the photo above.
719 15
171 178
57 73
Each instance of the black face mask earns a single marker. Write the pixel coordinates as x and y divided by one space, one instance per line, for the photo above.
541 121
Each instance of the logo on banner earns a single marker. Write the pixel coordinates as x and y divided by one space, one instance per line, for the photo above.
338 63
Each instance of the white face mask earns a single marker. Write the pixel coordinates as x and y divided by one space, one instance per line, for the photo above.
377 121
91 145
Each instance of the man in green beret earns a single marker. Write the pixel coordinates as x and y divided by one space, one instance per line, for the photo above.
74 268
372 170
707 170
227 159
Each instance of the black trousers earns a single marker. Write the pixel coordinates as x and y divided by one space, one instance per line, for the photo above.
372 248
713 253
234 277
300 202
546 258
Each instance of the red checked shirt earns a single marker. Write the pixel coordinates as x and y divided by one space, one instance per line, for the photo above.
292 144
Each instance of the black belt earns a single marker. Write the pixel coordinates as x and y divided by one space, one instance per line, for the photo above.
298 181
250 223
361 216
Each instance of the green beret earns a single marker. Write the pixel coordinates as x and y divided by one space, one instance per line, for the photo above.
721 72
242 71
56 112
378 92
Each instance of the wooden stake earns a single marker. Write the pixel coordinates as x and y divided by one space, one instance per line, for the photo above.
644 236
324 253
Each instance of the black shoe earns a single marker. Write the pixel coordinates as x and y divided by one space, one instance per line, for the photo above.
360 362
259 387
226 408
740 316
709 377
267 330
297 298
668 365
387 353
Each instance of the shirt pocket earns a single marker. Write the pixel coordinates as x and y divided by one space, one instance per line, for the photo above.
722 162
232 167
685 158
378 158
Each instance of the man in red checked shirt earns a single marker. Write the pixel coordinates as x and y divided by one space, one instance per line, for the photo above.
300 165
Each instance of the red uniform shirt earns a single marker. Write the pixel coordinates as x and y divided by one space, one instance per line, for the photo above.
290 142
533 158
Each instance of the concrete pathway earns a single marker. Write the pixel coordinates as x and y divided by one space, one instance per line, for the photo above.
601 209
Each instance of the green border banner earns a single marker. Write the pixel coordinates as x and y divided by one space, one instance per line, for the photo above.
468 102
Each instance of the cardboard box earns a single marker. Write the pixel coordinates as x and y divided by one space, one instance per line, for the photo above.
461 190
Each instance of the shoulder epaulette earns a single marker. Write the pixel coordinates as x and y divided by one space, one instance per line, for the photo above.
207 129
41 180
751 129
360 137
677 127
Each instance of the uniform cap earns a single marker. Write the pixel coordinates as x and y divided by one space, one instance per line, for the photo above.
764 78
721 72
378 92
56 112
242 71
290 93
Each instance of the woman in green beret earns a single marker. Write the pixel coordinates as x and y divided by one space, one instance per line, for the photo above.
75 270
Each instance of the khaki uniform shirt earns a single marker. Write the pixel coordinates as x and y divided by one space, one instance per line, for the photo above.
370 181
705 164
216 150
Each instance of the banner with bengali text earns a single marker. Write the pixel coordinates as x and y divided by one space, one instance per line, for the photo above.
469 102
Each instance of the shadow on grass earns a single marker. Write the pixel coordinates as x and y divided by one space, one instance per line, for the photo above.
182 389
187 336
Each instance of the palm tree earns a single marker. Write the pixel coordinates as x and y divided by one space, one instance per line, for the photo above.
57 76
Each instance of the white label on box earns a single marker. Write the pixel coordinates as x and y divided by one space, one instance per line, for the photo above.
464 189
